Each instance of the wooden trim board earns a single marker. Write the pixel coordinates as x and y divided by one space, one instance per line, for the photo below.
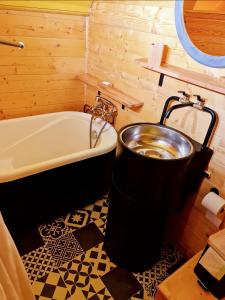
202 80
110 91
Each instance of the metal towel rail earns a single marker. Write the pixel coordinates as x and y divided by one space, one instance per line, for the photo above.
13 44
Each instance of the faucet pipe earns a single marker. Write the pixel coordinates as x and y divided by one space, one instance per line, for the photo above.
174 107
211 125
106 111
170 99
167 112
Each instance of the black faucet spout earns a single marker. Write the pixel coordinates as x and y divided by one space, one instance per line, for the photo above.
174 107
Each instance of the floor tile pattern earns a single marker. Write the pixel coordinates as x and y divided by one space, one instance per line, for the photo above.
101 223
121 284
54 230
77 274
89 236
72 264
151 279
99 260
50 286
64 249
98 210
97 290
139 295
38 263
77 219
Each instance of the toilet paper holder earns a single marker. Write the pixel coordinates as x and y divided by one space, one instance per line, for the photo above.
215 190
215 207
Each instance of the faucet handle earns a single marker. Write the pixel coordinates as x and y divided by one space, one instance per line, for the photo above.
182 93
183 97
198 98
198 101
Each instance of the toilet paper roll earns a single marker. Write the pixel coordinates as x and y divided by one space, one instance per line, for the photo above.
214 204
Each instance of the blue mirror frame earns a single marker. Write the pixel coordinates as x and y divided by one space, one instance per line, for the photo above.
190 48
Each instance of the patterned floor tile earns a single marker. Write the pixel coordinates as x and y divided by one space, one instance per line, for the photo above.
147 297
121 284
101 223
72 264
50 286
38 263
152 278
88 236
77 219
77 274
154 273
97 210
99 260
54 229
171 255
64 249
94 290
139 295
82 217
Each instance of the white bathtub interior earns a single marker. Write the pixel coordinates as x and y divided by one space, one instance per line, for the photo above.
33 144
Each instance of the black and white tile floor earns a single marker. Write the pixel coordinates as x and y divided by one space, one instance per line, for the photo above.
70 261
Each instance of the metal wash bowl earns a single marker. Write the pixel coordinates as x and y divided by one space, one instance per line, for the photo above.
156 141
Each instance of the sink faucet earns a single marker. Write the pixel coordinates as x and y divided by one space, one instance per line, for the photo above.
196 102
184 100
174 107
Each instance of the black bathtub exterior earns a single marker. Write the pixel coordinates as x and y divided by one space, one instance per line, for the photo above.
39 197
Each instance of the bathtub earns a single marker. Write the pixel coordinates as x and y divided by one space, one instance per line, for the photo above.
47 167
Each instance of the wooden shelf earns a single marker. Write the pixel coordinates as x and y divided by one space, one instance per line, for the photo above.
110 92
202 80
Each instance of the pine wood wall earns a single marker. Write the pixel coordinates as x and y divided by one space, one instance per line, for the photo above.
41 77
119 33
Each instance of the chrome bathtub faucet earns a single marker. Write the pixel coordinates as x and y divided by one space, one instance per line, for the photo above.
94 134
103 109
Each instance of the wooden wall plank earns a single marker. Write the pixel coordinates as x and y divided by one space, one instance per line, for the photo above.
41 77
36 98
39 24
23 83
42 65
47 47
42 109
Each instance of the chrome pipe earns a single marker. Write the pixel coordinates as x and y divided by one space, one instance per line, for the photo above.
8 43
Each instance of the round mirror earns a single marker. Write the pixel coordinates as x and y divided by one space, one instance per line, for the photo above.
200 26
